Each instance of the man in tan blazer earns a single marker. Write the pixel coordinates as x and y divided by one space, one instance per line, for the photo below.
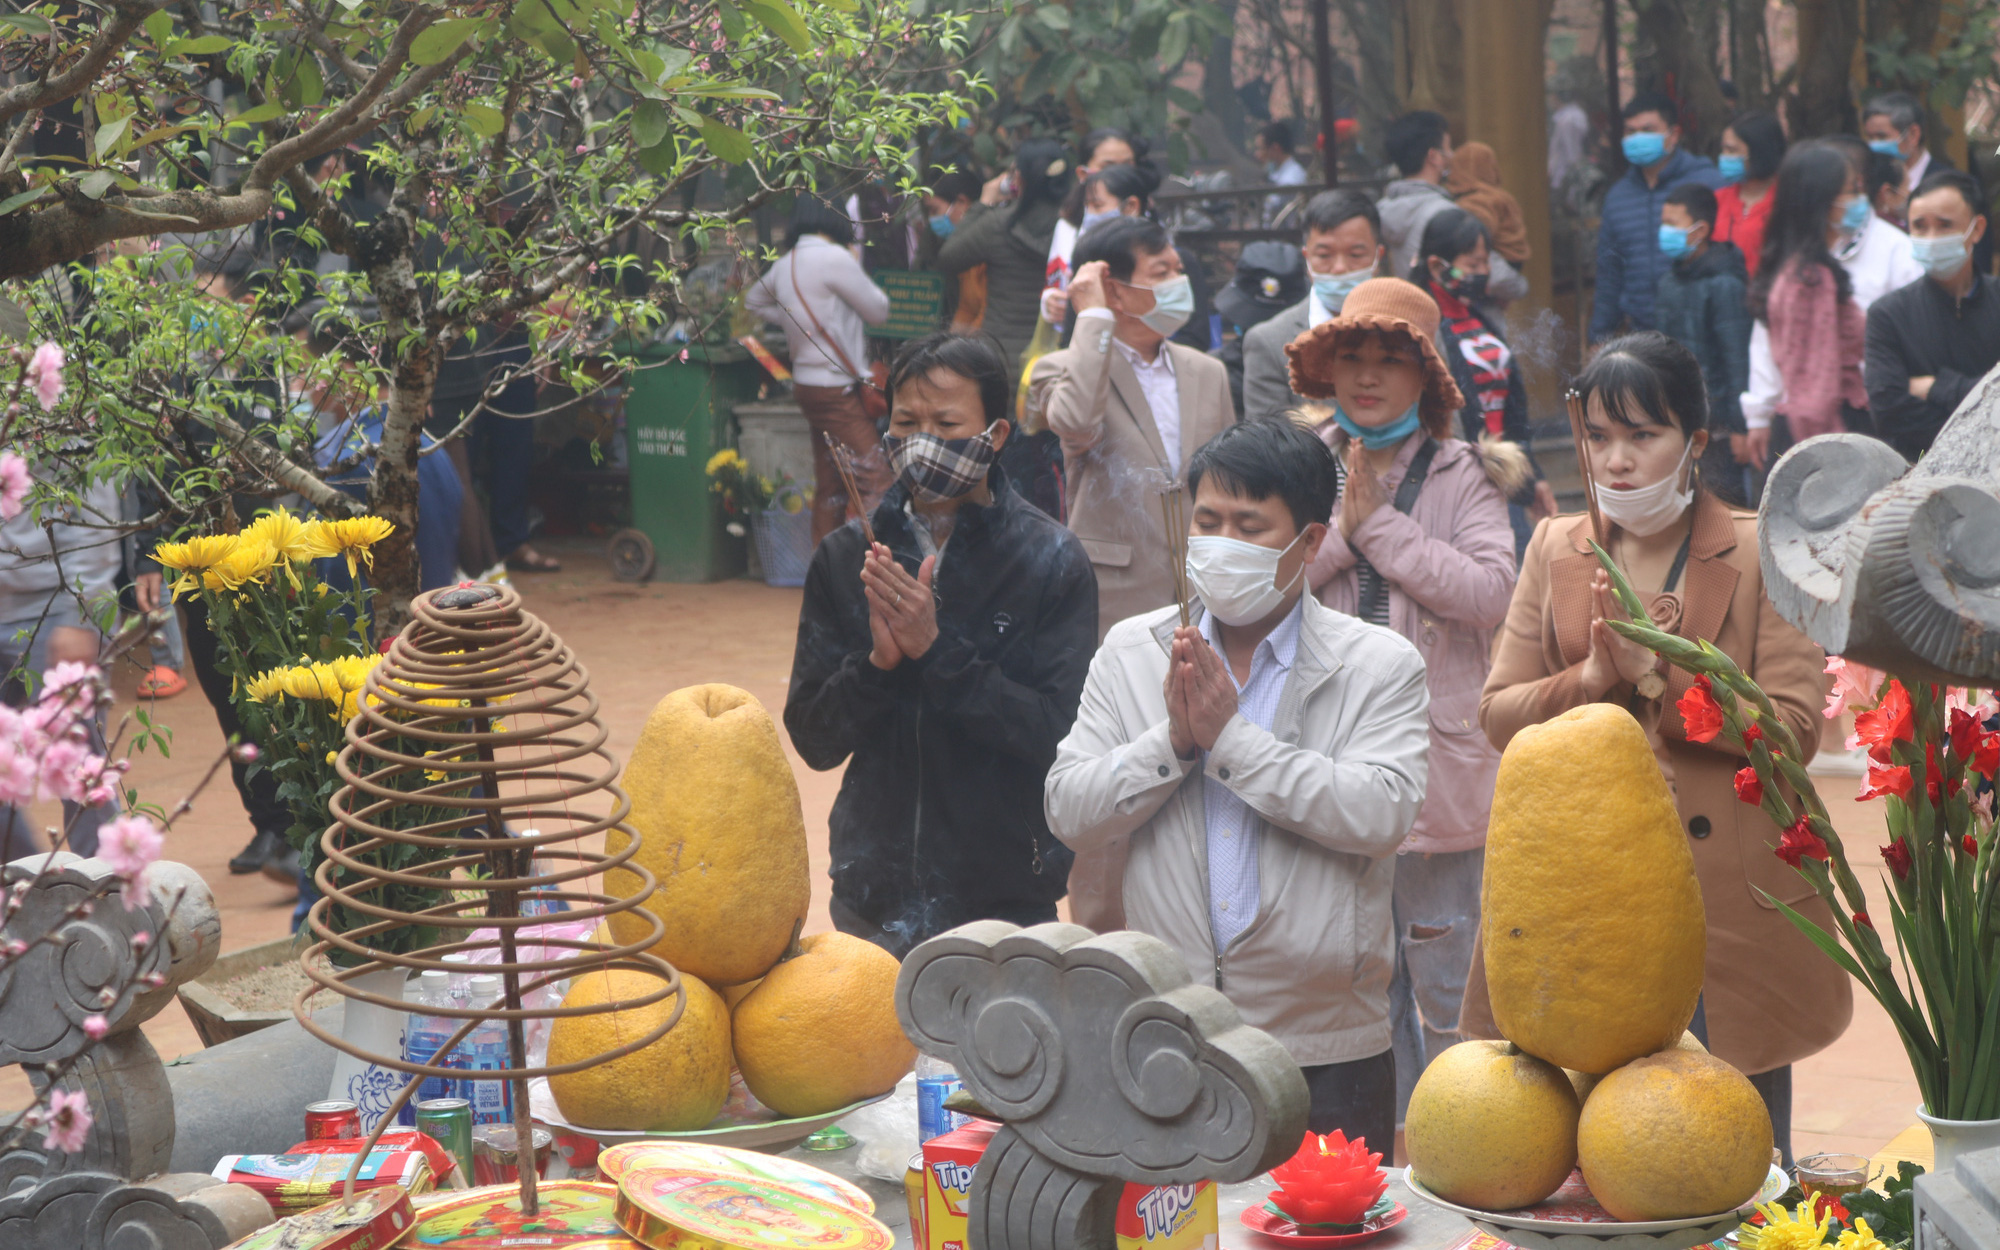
1131 408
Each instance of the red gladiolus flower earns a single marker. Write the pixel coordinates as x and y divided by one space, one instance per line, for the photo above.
1700 713
1934 777
1825 1205
1897 856
1891 720
1329 1181
1964 733
1986 756
1752 732
1749 786
1800 843
1970 845
1861 918
1895 781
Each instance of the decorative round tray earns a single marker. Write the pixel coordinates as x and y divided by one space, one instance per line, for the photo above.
574 1215
771 1136
1570 1219
1268 1224
615 1161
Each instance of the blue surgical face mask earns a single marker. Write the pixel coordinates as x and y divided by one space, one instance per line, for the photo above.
1376 437
941 226
1173 304
1332 288
1855 215
1887 147
1941 256
1731 167
1645 148
1674 240
1091 219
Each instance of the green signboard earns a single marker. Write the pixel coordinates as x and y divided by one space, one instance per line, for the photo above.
916 303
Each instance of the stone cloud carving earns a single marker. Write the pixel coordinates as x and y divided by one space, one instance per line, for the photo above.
1108 1065
1888 565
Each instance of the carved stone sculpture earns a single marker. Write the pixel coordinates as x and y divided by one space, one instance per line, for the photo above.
1108 1064
1888 565
95 965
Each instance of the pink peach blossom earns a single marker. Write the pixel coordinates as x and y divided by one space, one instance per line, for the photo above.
130 844
45 374
66 1123
95 1027
14 483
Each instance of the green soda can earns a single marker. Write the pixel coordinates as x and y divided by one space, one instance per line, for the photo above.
449 1122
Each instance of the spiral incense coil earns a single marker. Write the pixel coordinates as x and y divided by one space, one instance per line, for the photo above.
478 723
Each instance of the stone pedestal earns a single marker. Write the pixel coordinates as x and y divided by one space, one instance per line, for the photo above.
773 436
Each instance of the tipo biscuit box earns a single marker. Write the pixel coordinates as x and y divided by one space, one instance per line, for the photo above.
1150 1217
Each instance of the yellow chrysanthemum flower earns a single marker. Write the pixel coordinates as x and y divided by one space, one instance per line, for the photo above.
350 537
265 686
1860 1237
1784 1230
290 536
728 457
252 558
331 756
204 551
353 670
313 681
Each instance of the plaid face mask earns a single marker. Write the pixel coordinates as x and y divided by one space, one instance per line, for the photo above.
937 469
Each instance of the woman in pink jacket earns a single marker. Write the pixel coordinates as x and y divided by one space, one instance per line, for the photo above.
1419 543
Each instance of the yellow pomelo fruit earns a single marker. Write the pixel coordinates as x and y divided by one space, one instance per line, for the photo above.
1491 1127
734 994
1674 1135
1584 1082
717 812
676 1084
820 1031
1592 920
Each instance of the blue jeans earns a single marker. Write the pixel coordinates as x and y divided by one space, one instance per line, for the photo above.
1435 905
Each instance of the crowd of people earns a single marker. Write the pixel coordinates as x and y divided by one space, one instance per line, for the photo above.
1224 645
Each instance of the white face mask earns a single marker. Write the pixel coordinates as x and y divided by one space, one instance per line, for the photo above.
1238 581
1646 510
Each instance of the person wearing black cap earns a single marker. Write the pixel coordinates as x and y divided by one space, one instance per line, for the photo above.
1270 277
1343 249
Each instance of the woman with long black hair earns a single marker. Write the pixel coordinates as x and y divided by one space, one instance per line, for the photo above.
1804 299
1013 243
1753 145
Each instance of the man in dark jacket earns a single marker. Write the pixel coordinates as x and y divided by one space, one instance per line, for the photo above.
1700 303
1930 342
944 684
1629 260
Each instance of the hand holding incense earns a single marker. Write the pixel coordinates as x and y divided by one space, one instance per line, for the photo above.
843 460
1580 437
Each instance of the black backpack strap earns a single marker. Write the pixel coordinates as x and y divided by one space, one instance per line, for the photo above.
1406 498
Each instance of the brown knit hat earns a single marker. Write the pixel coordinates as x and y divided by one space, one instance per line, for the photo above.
1387 304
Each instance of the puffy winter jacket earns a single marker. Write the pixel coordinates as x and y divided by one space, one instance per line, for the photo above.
1629 259
1700 303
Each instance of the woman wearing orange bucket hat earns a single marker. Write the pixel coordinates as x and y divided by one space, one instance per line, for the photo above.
1420 542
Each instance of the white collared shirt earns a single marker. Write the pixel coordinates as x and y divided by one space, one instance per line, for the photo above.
1156 383
1914 175
1233 833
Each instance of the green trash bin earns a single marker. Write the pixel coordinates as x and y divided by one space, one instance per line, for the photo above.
678 413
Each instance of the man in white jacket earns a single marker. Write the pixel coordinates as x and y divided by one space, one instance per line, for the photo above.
1266 761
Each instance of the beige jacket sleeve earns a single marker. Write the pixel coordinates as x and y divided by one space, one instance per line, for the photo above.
1109 777
1068 389
1520 690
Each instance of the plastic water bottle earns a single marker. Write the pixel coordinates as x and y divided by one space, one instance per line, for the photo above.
935 1082
426 1036
486 1050
461 974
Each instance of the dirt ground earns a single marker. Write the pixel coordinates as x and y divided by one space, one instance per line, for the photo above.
641 641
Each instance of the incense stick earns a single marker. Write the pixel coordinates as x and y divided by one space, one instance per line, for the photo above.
843 460
1577 433
1173 503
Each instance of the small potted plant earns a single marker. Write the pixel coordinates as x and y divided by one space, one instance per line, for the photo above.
779 515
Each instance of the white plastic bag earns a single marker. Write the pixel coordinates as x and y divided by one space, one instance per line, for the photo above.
887 1131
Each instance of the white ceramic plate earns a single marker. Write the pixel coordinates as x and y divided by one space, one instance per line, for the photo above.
1774 1184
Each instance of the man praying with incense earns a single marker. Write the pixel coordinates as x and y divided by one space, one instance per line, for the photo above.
941 658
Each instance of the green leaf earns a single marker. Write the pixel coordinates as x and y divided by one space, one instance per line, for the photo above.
724 91
725 141
650 123
649 65
734 26
673 59
688 116
1174 44
160 27
1053 16
659 159
255 116
26 23
297 77
201 45
95 183
485 120
438 42
29 196
842 6
109 134
558 45
783 21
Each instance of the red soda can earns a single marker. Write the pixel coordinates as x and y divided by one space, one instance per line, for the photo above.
333 1121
